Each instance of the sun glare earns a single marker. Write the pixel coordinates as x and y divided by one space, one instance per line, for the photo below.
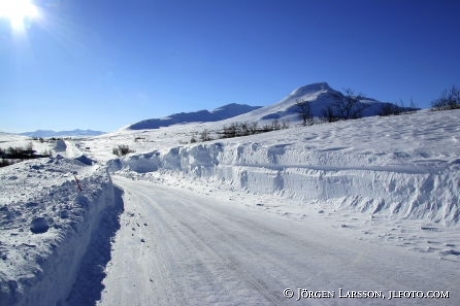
18 12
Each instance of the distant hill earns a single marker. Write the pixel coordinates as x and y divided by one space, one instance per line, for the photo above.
221 113
73 133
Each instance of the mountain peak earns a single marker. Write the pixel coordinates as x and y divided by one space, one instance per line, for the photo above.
319 95
310 89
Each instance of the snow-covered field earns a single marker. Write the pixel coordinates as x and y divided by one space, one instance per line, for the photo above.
368 204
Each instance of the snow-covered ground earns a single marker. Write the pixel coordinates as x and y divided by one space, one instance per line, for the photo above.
402 167
368 204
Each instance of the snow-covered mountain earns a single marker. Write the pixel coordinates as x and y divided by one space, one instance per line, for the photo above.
221 113
320 96
73 133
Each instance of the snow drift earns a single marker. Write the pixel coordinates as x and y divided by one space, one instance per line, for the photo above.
51 210
402 166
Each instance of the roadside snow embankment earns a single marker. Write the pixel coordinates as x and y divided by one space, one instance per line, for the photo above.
402 167
50 212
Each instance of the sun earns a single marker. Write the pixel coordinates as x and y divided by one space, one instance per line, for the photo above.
18 12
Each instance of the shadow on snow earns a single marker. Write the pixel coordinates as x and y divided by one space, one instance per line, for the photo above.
88 287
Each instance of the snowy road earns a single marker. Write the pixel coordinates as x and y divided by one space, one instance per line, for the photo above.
179 248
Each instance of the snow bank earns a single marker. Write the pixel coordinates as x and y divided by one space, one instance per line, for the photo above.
50 211
403 167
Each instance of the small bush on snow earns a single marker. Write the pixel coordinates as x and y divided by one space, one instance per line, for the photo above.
122 150
450 99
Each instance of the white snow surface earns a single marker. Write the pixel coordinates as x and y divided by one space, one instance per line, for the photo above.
368 204
50 211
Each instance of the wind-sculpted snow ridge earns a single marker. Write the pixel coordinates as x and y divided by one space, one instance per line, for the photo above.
51 210
404 167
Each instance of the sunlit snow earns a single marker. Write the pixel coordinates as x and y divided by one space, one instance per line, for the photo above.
361 205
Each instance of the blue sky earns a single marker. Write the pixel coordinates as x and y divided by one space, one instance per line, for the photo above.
103 64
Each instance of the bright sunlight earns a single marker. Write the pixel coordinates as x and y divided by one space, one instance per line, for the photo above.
18 12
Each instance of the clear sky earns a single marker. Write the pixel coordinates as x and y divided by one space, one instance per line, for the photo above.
103 64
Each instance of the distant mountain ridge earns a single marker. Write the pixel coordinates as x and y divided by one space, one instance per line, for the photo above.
73 133
321 98
221 113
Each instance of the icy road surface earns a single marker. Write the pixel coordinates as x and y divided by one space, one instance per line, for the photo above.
179 248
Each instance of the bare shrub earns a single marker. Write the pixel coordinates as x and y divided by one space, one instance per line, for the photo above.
122 150
348 106
205 135
450 99
304 111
